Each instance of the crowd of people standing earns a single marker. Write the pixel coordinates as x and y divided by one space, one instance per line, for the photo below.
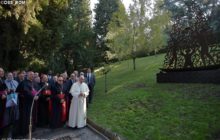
62 100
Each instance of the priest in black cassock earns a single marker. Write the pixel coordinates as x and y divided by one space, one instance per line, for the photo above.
27 89
3 95
44 103
59 111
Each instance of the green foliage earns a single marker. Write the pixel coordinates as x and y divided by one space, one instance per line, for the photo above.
25 13
57 32
136 107
118 37
45 40
10 35
158 25
78 36
185 10
37 65
138 32
104 11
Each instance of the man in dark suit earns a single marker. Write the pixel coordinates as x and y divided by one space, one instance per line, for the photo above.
90 77
69 83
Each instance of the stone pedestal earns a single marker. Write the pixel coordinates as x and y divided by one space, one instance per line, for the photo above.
189 76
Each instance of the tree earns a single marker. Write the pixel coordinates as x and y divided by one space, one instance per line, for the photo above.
28 36
15 21
78 41
197 32
148 22
118 38
10 35
138 32
185 12
185 9
25 13
43 42
158 25
55 34
104 11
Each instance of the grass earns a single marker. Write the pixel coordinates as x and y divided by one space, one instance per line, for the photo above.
138 108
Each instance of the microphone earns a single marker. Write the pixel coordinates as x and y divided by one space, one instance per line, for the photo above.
32 105
38 92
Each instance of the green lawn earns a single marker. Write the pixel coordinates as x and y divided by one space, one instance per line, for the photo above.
138 108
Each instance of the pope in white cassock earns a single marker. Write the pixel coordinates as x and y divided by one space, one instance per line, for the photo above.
77 113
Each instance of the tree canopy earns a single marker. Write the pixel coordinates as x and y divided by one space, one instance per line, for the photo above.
61 34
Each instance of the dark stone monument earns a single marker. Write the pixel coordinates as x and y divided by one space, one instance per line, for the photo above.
193 53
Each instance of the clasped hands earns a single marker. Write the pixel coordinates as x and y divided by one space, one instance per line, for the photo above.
62 100
82 95
4 96
10 90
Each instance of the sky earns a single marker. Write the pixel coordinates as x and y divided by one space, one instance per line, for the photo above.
93 2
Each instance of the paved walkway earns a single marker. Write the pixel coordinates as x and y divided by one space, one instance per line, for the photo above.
67 134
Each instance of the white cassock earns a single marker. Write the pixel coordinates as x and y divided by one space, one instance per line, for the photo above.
77 112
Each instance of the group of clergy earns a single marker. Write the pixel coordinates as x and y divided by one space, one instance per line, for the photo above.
58 101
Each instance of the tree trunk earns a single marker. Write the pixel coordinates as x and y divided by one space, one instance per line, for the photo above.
134 63
106 83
